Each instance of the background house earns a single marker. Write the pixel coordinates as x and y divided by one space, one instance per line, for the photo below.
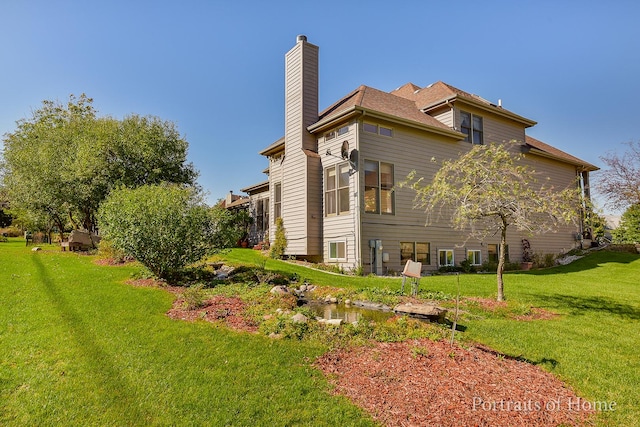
332 176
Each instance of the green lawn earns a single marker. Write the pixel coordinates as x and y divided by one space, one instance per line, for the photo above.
80 347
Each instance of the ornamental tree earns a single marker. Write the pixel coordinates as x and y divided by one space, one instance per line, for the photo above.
488 190
620 181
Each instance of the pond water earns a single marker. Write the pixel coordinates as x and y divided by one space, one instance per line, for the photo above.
348 314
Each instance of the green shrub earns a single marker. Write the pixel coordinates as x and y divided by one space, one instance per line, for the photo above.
279 245
623 248
542 260
194 297
165 227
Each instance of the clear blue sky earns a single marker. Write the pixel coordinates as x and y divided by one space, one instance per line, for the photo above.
216 68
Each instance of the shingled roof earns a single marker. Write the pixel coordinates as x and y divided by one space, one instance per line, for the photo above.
439 93
539 147
372 100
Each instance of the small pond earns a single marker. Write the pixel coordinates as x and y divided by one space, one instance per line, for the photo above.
348 313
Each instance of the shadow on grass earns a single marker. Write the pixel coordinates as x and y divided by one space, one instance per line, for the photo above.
587 305
550 363
119 392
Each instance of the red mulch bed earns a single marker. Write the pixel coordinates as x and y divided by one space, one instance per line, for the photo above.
427 383
220 308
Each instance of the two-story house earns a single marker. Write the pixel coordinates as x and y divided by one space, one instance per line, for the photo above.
332 177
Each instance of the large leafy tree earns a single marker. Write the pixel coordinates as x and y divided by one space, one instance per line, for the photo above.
620 181
64 160
488 190
628 231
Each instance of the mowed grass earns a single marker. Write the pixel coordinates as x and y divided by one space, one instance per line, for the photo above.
80 347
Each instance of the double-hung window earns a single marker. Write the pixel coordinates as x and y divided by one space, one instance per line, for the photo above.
336 190
378 187
445 257
471 125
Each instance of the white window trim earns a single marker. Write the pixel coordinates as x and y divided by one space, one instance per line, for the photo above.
453 257
336 242
479 252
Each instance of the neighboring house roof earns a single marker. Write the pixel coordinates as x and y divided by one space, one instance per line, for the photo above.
236 203
540 148
256 188
440 93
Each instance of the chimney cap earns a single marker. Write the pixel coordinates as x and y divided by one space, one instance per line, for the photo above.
301 38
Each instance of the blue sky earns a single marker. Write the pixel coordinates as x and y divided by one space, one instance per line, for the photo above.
216 68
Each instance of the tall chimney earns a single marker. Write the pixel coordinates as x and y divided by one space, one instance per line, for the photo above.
301 168
301 94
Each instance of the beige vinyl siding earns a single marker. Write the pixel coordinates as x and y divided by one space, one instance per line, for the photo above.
340 227
410 149
444 115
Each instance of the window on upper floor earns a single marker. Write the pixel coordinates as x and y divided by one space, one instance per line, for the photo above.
471 125
277 200
336 132
378 187
336 189
379 129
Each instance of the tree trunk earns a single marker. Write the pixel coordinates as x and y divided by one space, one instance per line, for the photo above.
502 259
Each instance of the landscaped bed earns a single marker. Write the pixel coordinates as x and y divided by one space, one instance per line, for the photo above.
420 381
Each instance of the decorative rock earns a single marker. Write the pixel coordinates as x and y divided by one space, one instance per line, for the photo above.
279 311
347 302
334 322
303 288
36 249
299 318
371 305
428 311
333 300
279 290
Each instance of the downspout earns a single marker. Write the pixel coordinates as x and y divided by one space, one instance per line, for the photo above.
357 218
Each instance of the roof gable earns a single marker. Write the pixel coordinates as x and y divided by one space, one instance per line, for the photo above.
374 100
